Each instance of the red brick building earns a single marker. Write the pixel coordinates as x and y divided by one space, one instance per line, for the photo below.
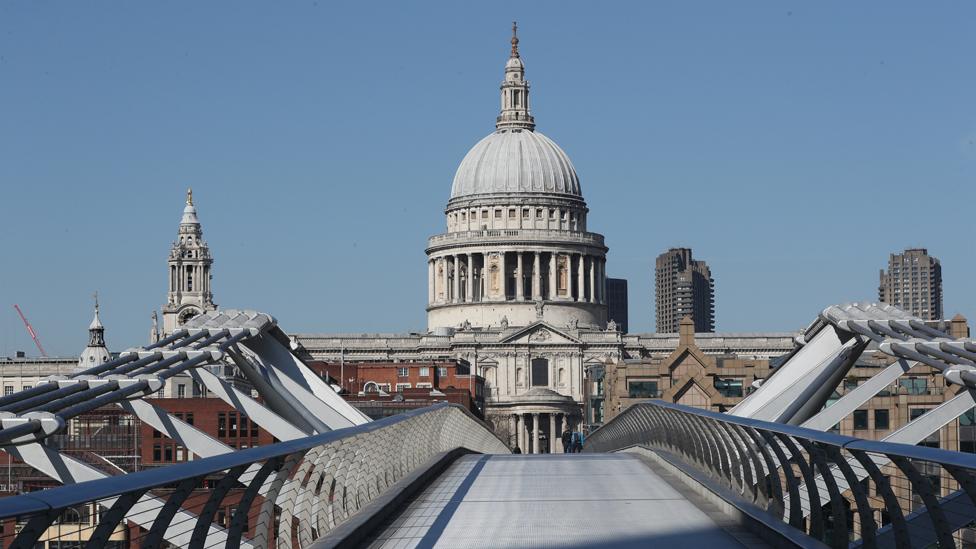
383 388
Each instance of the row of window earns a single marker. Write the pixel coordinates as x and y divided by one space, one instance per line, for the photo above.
424 372
9 389
234 425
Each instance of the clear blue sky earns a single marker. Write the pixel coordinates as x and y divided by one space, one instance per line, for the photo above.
792 145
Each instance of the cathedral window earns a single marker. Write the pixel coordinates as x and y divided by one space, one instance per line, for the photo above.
538 213
498 214
484 214
540 372
511 213
525 213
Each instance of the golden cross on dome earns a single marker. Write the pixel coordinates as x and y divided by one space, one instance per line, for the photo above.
189 197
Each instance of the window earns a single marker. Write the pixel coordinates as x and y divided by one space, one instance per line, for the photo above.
441 372
881 419
511 213
540 372
538 213
484 214
915 385
402 386
642 389
28 387
525 213
221 424
498 214
425 386
860 419
729 387
8 390
424 371
181 391
157 452
403 372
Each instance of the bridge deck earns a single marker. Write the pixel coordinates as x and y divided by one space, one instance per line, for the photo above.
576 500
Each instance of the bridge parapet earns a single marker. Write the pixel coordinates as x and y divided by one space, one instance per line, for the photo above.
844 491
316 483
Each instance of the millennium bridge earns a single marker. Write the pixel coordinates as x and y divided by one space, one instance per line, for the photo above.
767 473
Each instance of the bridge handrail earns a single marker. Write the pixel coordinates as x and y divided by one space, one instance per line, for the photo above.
803 476
468 433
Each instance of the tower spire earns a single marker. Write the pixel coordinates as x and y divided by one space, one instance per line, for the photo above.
189 196
515 40
515 113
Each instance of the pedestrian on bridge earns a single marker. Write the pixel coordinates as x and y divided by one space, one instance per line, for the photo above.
577 442
567 438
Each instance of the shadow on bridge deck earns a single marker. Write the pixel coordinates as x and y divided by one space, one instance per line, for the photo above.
579 500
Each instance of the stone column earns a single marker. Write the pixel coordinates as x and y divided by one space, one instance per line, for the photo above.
580 281
535 433
501 265
560 426
536 278
592 280
553 436
469 293
552 276
513 429
430 282
519 292
447 280
457 279
524 433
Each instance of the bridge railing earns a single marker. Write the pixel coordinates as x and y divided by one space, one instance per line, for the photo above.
284 495
837 489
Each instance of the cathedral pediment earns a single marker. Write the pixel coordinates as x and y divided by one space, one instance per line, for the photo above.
540 333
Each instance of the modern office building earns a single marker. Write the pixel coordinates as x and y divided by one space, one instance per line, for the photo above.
683 287
617 303
913 283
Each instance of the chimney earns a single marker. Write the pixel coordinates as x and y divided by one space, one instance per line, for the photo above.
686 332
958 328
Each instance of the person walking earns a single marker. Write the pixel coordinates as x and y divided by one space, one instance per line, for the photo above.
577 442
567 438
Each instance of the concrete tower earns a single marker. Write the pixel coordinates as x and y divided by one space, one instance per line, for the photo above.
516 250
913 283
683 287
189 272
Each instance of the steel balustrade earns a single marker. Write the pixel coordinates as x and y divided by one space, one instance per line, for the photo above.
321 480
925 495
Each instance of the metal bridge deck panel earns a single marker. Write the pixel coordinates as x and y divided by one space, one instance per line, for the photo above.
577 500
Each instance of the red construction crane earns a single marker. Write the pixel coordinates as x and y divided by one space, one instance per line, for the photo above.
30 330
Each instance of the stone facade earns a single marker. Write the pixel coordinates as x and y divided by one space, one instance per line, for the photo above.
189 292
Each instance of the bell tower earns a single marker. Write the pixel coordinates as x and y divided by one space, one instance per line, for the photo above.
189 272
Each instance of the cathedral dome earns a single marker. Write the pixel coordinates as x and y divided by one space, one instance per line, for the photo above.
516 161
